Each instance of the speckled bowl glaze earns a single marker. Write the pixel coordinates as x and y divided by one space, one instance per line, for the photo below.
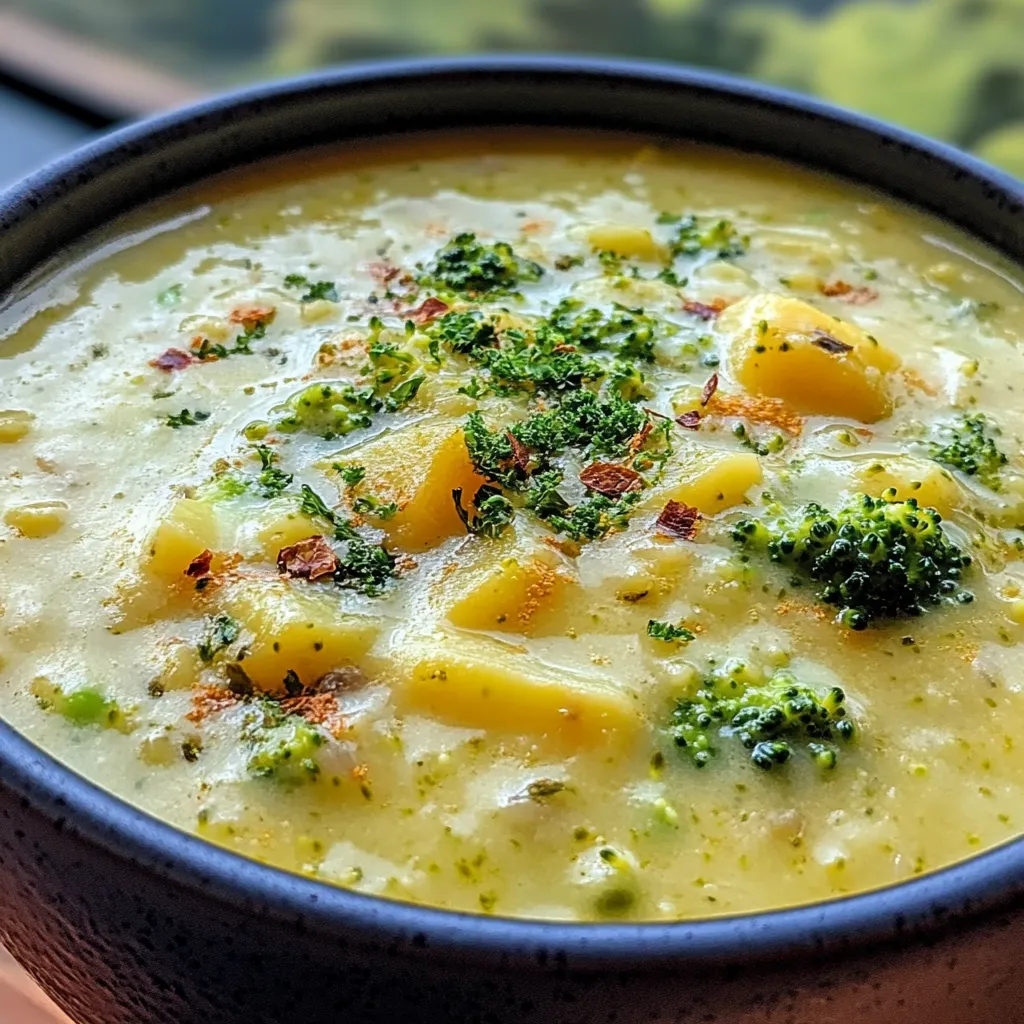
124 920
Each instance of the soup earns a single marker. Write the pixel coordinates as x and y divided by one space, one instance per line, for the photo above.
553 526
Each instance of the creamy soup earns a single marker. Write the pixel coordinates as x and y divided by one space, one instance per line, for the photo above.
559 527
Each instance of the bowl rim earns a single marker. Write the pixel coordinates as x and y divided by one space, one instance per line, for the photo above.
987 883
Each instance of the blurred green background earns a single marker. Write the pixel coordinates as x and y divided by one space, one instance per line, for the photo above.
950 68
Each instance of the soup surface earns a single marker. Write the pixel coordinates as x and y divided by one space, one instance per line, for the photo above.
550 526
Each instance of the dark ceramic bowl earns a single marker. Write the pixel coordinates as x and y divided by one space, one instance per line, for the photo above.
124 920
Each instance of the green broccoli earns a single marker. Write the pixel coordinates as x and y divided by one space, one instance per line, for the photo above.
692 237
329 410
81 707
768 720
471 268
280 746
875 558
969 448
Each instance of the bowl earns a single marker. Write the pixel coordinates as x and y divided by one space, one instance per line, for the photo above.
125 920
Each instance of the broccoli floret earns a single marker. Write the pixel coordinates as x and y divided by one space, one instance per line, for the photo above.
281 746
329 410
875 558
629 383
969 448
692 237
768 720
471 268
82 707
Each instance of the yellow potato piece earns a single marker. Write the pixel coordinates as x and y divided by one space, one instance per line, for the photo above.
280 525
932 486
305 633
37 519
14 425
482 684
787 349
518 595
626 240
707 478
418 467
190 528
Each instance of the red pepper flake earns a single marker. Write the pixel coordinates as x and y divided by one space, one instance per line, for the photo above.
200 565
208 700
251 317
639 439
171 360
310 558
855 296
704 310
689 420
610 479
710 387
678 520
382 273
317 709
520 453
428 311
829 343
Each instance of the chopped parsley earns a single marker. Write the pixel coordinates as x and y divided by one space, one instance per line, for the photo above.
314 290
366 567
493 513
351 476
187 419
594 517
366 505
668 632
271 481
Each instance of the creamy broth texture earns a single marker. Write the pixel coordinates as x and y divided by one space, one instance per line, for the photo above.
237 589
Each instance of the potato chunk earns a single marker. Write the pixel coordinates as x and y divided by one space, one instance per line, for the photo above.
190 528
280 525
38 518
930 484
14 425
707 478
518 595
787 349
418 467
483 684
305 633
627 241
